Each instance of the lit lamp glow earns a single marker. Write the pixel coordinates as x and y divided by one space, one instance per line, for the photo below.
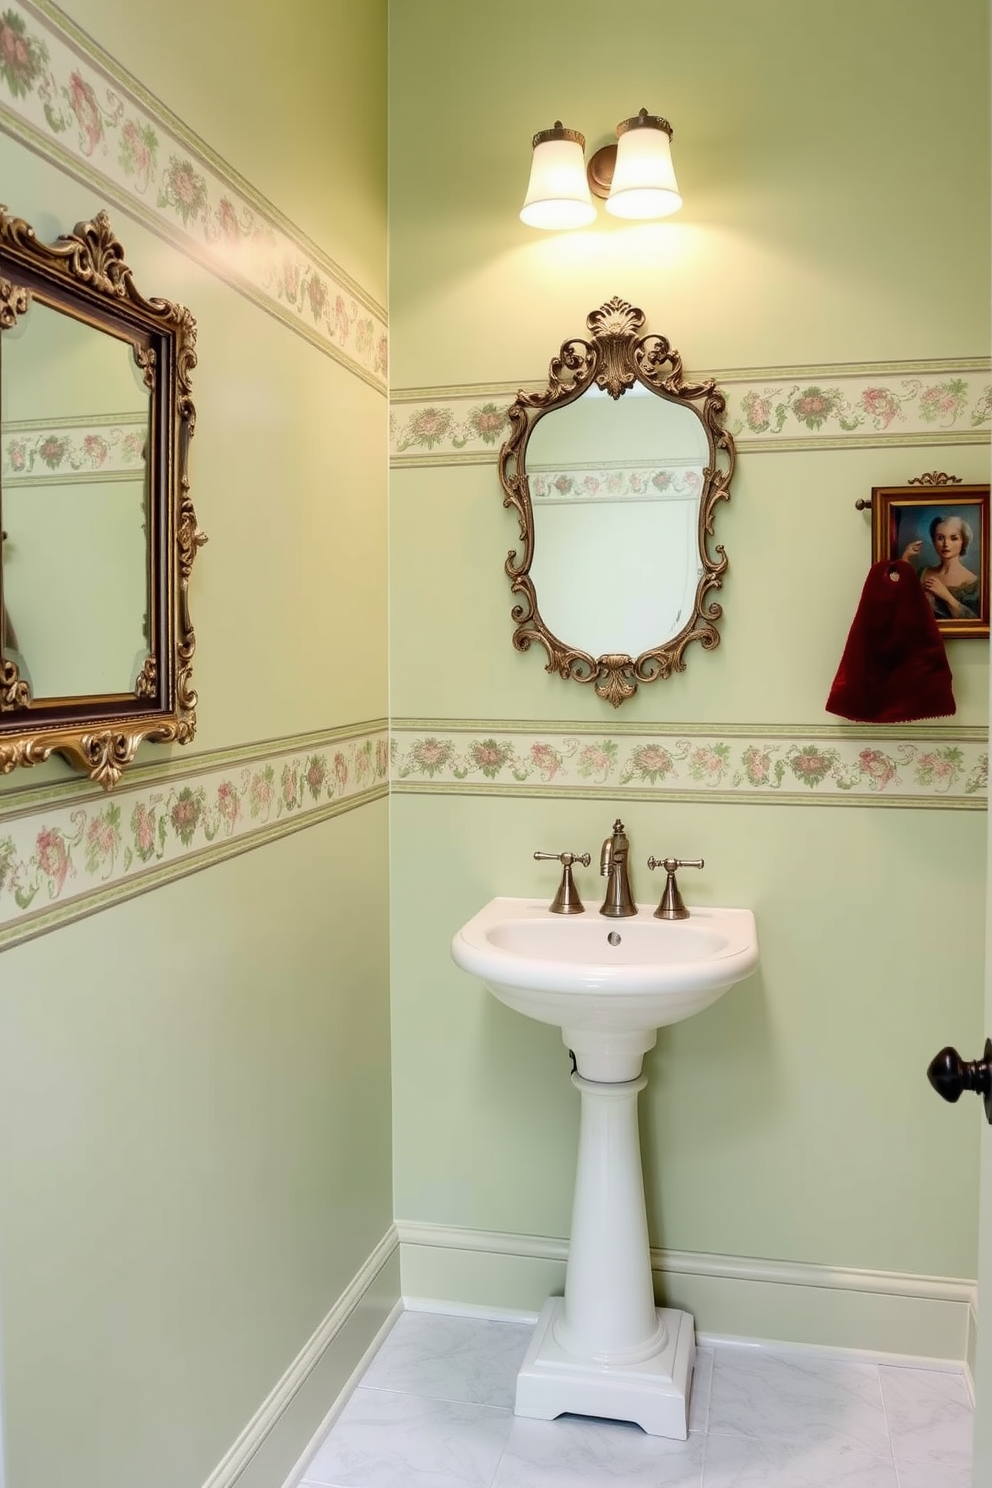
644 183
558 194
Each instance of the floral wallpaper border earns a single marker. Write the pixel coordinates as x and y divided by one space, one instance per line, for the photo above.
917 769
912 403
75 449
65 858
65 97
64 854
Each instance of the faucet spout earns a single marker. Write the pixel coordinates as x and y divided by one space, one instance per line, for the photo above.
618 903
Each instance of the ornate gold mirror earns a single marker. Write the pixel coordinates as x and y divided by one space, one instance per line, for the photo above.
98 530
615 471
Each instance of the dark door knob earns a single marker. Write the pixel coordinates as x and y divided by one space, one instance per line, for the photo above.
949 1075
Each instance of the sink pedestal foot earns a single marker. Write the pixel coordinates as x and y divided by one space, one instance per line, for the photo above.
604 1349
653 1393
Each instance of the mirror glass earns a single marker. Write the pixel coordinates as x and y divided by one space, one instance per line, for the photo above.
74 426
615 487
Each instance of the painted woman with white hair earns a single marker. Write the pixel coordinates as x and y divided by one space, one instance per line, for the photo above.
953 590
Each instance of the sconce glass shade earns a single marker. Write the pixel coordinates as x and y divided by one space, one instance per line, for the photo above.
644 183
558 194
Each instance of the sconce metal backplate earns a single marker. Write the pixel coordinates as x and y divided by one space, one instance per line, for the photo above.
614 358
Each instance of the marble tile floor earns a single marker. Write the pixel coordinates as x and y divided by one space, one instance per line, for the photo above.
434 1409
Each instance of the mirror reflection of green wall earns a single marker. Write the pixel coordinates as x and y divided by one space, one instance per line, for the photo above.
615 487
75 421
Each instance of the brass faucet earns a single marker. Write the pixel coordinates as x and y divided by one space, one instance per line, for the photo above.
619 902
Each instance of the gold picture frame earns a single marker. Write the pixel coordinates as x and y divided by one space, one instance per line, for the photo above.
940 526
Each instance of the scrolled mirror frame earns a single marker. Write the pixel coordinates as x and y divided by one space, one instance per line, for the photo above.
85 275
613 359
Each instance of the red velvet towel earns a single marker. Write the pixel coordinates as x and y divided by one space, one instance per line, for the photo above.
894 667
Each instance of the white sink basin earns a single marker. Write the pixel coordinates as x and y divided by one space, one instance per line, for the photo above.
608 998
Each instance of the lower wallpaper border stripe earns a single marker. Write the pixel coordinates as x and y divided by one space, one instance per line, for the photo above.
68 850
66 856
898 766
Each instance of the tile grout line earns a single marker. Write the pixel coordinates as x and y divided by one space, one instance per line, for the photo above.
706 1414
888 1427
499 1460
706 1436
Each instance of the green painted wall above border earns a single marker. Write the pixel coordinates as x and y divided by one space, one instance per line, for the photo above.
833 162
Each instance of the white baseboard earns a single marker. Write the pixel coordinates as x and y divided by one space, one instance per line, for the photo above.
708 1340
830 1351
971 1351
888 1314
303 1461
269 1413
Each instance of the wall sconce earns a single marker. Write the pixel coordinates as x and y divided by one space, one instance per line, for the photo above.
635 176
558 193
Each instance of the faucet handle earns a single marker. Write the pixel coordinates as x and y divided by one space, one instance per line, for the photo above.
567 900
672 906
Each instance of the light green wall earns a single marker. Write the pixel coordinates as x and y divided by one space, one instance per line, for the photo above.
195 1159
792 1120
798 553
194 1150
982 1366
816 149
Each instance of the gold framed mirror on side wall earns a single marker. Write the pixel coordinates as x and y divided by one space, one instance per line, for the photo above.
99 532
615 472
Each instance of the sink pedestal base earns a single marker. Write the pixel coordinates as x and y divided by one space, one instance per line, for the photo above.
654 1393
605 1349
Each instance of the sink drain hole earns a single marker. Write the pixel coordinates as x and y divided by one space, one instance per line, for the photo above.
613 938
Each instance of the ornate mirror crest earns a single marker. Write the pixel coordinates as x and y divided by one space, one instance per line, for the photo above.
99 532
624 508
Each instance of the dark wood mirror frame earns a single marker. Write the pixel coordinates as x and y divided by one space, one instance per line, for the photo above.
614 359
84 276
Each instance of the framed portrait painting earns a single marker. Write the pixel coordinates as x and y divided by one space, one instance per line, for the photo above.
943 531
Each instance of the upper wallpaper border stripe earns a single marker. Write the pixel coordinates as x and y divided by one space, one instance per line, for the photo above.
155 105
857 406
721 375
65 98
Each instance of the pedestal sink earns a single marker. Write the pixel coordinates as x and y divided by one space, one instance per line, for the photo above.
604 1349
